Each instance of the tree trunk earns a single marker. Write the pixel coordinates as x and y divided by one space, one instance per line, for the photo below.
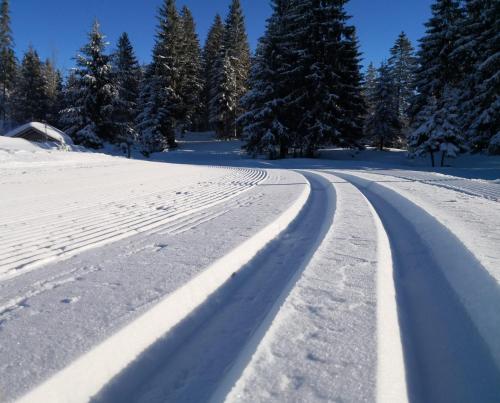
381 145
443 156
432 159
283 151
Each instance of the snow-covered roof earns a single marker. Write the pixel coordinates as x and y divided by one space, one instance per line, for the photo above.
47 130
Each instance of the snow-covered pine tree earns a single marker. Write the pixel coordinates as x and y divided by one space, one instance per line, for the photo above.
263 129
97 93
224 101
211 51
231 74
160 99
438 69
30 101
383 127
350 92
321 71
127 75
54 88
478 49
8 63
369 90
439 132
191 70
71 117
151 113
403 65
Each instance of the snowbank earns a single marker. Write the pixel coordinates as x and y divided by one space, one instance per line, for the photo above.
49 131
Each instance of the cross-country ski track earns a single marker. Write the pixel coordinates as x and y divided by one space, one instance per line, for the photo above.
317 285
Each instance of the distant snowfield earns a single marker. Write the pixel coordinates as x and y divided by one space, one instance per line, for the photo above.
205 276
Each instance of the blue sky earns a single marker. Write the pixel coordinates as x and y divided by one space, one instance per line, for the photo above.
58 27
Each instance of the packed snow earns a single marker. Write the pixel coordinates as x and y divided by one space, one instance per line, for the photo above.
202 275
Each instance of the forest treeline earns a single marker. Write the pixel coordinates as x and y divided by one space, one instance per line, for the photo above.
303 89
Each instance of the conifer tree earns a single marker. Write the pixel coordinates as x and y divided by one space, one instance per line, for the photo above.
8 64
369 90
70 116
191 68
321 69
402 64
30 96
478 50
350 93
161 100
383 127
263 129
231 76
97 93
437 67
439 132
53 88
127 76
211 51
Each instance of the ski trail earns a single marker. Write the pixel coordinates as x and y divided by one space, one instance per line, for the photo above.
339 324
128 346
471 187
450 334
32 243
189 363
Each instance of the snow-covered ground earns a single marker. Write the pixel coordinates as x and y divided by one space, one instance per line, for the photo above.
206 276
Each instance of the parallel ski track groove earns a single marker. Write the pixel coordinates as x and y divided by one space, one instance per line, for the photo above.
61 233
249 174
471 187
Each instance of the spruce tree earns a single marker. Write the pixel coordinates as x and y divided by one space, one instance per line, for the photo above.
369 91
97 93
191 69
161 100
231 74
321 70
402 64
350 93
263 128
479 53
127 76
383 127
54 88
439 132
438 69
8 64
30 96
211 51
71 117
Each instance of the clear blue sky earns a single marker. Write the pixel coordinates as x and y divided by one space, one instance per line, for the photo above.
58 27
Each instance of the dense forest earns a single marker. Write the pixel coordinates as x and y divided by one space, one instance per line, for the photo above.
303 89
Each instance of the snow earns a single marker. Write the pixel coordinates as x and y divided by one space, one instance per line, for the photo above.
328 331
203 275
49 131
11 145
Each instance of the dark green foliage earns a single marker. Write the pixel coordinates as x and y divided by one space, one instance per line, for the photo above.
230 76
90 118
384 126
211 52
127 76
191 67
30 99
8 62
403 65
315 84
161 100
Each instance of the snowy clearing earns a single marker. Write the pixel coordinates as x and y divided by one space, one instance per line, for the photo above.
208 276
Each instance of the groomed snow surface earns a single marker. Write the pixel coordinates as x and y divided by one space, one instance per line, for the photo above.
204 276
